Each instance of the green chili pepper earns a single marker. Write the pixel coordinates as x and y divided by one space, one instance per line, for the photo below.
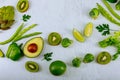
107 15
111 10
14 52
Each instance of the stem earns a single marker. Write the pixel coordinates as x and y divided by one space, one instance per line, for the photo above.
113 30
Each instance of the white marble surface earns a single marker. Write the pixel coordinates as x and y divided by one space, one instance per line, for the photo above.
60 16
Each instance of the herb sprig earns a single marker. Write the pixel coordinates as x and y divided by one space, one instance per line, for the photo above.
48 56
104 29
26 17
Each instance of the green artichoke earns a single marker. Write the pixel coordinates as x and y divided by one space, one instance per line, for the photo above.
6 17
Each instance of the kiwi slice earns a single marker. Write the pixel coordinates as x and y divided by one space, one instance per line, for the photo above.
22 5
54 38
103 58
32 66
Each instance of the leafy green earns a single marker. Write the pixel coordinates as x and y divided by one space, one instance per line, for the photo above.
26 17
104 29
48 56
113 40
6 17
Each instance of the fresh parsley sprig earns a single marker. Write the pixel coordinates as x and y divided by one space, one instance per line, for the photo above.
48 56
104 29
26 17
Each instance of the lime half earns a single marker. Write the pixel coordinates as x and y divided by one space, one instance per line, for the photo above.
88 29
1 53
78 36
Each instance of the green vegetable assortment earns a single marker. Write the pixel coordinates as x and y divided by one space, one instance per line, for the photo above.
34 47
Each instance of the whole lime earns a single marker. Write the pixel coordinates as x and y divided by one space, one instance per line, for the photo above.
57 67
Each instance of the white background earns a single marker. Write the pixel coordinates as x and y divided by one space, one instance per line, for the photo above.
60 16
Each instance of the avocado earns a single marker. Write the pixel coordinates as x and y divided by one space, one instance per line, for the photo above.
22 5
32 66
33 47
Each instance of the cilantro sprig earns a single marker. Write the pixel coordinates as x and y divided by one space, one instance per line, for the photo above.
104 29
26 17
48 56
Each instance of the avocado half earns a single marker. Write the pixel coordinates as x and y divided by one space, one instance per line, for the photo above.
35 50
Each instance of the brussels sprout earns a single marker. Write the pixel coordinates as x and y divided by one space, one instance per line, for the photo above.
88 58
94 13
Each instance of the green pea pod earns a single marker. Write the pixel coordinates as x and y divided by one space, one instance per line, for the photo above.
14 52
111 9
107 15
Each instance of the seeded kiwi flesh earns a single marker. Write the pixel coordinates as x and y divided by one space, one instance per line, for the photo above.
54 38
22 5
32 66
103 58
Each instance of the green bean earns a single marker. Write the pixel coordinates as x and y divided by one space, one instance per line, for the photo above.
25 30
27 35
107 15
110 9
13 36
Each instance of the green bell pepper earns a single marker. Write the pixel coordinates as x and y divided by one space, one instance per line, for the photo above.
14 52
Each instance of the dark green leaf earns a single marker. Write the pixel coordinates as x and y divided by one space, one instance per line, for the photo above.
48 56
26 17
104 29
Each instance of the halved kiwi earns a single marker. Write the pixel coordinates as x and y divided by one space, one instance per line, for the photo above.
22 5
103 58
32 66
54 38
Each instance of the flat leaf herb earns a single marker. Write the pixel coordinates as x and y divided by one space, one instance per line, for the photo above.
48 56
26 17
104 29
